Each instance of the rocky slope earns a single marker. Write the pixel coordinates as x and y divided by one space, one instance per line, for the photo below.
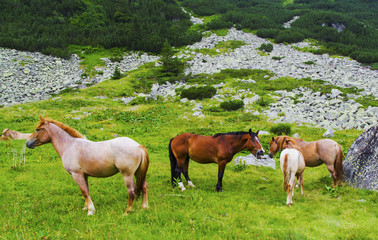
26 77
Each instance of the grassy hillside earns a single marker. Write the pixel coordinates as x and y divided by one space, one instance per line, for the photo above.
40 200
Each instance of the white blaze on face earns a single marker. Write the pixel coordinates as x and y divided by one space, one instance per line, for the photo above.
257 140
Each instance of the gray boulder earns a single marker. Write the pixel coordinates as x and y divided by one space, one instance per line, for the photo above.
361 163
250 159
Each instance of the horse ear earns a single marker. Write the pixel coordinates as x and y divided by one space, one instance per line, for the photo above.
257 133
273 139
40 117
250 132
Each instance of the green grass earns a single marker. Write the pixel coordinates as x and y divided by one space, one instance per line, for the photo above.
40 200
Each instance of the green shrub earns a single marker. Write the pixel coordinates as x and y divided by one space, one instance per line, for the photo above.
198 92
289 37
266 47
232 105
116 74
267 32
281 129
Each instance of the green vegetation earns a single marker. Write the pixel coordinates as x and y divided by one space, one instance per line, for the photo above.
39 199
266 47
198 92
232 105
50 27
356 36
281 129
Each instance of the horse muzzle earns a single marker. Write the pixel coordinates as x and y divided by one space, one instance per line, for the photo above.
270 155
259 153
30 144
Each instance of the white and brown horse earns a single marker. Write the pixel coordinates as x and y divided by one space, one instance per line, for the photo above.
83 158
292 165
12 134
315 153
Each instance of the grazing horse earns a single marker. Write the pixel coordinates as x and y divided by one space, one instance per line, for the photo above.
219 149
82 158
292 165
12 134
4 139
315 153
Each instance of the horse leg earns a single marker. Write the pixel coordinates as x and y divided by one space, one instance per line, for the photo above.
332 170
301 182
82 181
289 201
129 181
145 195
85 204
178 170
221 167
186 172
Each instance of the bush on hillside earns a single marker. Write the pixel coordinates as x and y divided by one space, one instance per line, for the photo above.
266 47
232 105
198 92
281 129
289 37
267 32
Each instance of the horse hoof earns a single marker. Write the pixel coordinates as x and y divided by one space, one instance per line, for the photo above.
190 184
84 208
219 190
90 213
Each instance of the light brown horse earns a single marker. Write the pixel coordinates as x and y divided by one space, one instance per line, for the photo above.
219 149
12 134
82 158
315 153
292 165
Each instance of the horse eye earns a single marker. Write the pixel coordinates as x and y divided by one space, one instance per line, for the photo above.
37 129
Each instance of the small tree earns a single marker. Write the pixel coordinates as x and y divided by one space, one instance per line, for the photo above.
116 74
169 63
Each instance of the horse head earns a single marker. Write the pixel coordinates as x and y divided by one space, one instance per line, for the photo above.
5 133
275 145
40 135
253 144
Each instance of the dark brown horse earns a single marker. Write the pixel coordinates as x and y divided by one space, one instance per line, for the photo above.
219 149
315 153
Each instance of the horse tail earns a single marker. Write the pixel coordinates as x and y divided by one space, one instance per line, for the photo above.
338 164
141 172
286 175
173 160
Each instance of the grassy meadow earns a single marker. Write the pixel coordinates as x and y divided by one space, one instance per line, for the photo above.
40 200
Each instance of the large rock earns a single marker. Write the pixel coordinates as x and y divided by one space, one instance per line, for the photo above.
361 162
250 159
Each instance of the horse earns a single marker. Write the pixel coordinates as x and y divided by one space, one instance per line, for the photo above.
83 158
219 148
315 153
4 139
292 165
12 134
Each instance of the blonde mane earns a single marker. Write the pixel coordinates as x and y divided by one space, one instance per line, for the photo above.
74 133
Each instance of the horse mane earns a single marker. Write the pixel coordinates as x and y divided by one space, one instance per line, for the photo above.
230 133
74 133
294 145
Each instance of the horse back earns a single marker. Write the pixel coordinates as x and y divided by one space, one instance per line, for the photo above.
202 149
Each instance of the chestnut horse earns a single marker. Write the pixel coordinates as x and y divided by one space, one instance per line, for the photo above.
82 158
315 153
292 165
219 149
12 134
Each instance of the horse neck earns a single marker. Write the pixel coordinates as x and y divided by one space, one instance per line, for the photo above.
237 143
60 139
